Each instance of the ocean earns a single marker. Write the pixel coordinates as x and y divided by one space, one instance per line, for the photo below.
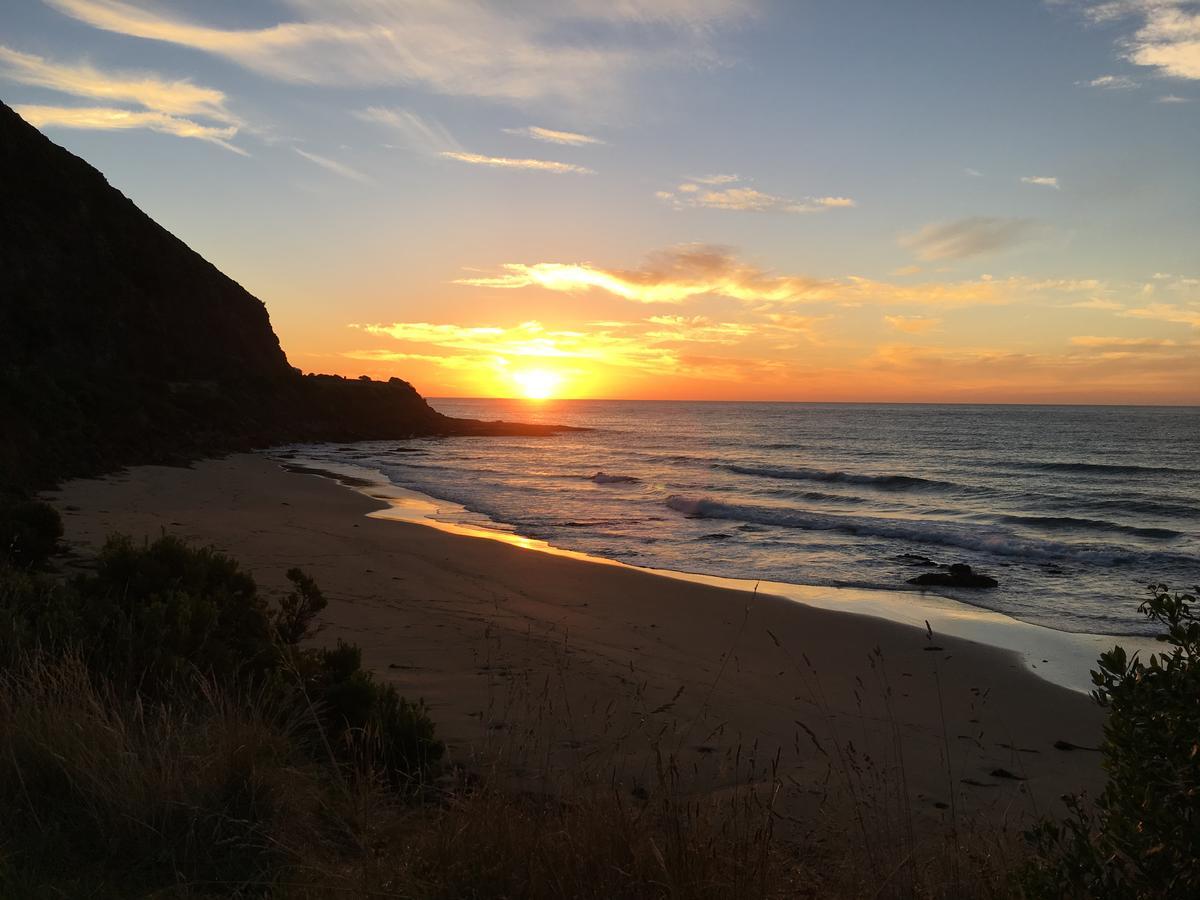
1074 510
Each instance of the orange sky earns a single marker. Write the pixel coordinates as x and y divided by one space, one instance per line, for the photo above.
728 199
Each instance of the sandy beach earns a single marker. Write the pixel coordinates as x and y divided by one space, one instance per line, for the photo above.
560 663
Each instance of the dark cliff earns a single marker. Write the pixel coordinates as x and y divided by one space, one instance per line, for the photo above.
121 345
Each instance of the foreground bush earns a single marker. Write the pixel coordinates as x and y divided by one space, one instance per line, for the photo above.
160 619
99 788
1143 837
29 533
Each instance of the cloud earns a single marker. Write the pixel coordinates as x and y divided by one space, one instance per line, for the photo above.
569 138
105 118
1096 303
690 195
334 166
613 343
670 276
969 237
175 98
1088 340
1085 373
424 136
431 138
1172 98
974 173
717 179
1041 180
1166 312
167 105
1111 82
504 162
688 271
1166 38
511 52
913 324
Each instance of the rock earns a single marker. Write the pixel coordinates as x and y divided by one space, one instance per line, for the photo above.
916 559
959 575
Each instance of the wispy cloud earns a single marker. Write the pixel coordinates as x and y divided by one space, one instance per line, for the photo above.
706 193
1166 37
337 168
550 136
520 52
1041 180
174 97
167 106
422 135
716 179
689 271
1091 340
965 238
669 276
1167 312
1172 98
1111 82
1096 303
431 138
504 162
913 324
974 173
105 118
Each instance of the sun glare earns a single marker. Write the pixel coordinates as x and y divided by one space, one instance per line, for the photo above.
537 384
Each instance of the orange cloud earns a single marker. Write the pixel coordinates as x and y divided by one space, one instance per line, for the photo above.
504 162
105 118
912 324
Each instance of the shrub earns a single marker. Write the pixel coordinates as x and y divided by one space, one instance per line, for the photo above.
158 619
1143 837
29 533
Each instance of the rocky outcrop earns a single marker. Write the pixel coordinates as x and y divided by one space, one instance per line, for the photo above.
957 575
119 344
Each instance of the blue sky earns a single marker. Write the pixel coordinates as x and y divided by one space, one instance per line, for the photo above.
795 200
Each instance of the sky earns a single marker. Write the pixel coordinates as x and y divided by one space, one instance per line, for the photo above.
810 200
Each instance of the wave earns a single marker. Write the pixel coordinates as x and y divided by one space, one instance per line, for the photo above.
994 540
1070 523
885 482
1096 468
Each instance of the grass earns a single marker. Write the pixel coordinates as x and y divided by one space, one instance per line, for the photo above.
292 774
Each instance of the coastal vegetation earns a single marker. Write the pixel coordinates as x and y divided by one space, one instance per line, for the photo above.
166 730
1141 836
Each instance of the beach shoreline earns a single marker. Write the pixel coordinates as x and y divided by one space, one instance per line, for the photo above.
575 653
1060 657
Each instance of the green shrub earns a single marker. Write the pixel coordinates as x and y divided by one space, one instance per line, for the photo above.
1143 837
29 533
158 619
369 721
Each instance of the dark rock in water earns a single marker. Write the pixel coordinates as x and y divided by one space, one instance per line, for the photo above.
959 575
602 478
916 559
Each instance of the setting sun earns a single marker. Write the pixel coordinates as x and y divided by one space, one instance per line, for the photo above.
537 384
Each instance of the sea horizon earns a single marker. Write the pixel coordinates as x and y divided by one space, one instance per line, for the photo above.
1073 528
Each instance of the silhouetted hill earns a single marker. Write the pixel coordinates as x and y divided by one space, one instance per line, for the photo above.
119 344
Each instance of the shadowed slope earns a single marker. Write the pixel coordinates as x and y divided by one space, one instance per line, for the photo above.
119 344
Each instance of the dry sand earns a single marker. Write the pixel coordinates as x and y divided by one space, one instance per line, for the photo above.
557 662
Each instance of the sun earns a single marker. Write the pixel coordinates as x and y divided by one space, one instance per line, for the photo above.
537 384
